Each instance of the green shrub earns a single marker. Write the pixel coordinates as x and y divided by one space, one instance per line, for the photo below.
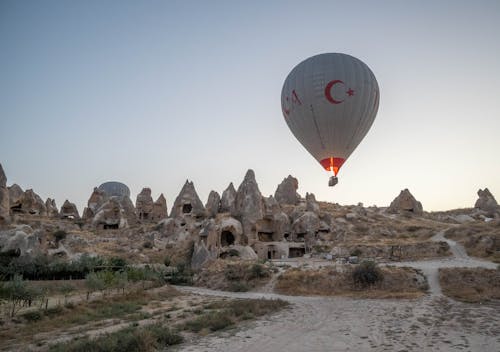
366 274
167 261
212 321
147 244
258 271
356 252
34 315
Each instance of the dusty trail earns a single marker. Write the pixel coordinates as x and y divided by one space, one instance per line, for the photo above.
430 323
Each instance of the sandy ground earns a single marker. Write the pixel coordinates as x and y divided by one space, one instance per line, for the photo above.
430 323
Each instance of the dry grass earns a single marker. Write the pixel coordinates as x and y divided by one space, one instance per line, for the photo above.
470 284
233 275
397 283
480 239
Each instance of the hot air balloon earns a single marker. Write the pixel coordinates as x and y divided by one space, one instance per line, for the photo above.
329 102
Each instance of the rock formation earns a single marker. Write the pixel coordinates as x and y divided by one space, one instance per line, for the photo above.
286 193
227 199
249 206
21 240
16 194
487 203
213 204
51 207
188 203
110 215
69 211
311 204
405 202
144 204
96 200
4 198
159 209
31 203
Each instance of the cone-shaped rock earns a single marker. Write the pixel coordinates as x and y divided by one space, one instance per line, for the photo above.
249 205
50 205
286 193
69 210
213 204
405 202
159 209
227 200
188 202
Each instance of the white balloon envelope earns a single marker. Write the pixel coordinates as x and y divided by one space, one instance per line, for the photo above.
330 101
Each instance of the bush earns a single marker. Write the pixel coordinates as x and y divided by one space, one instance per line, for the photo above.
357 252
258 271
60 235
212 321
34 315
238 286
366 274
167 261
147 244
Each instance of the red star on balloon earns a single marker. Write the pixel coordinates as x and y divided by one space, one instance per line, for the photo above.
350 92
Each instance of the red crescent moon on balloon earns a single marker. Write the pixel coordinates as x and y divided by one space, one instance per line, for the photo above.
328 91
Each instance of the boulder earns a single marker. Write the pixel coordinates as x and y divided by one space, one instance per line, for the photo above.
243 252
69 211
201 255
22 241
249 206
227 199
188 203
144 205
50 205
405 203
213 204
286 193
4 198
31 203
159 209
110 215
486 202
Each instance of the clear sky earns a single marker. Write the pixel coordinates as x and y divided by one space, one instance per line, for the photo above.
151 93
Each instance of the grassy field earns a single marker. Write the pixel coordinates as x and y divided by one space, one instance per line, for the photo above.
470 284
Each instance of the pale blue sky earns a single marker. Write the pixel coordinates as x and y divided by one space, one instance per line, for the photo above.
153 92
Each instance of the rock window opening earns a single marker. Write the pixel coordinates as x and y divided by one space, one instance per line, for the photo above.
265 236
186 208
287 236
110 226
16 209
296 252
144 216
300 237
226 238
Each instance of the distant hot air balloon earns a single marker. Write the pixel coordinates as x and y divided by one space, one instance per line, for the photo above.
329 101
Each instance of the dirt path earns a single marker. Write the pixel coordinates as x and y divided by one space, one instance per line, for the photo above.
431 323
343 324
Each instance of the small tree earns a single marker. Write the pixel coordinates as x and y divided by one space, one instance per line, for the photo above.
93 283
66 289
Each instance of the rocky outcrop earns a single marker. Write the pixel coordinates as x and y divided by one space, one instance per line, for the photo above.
159 209
69 211
31 203
96 200
230 231
21 241
188 203
4 198
213 204
487 203
249 206
51 207
227 199
405 203
16 194
307 224
311 204
286 193
111 215
144 205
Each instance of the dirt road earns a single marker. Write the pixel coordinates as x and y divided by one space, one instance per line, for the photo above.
431 323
